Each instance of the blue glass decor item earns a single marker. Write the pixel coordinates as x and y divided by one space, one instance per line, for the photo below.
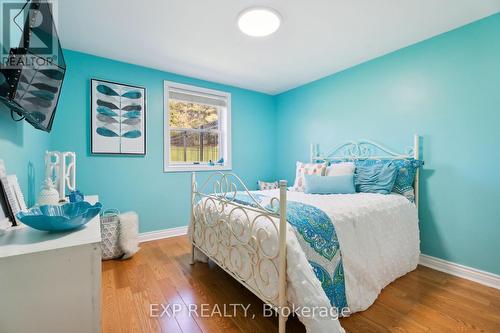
76 196
60 218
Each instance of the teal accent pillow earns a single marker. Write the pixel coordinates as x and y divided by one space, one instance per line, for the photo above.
406 170
375 177
315 184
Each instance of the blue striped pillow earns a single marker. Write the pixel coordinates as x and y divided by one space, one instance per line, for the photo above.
375 178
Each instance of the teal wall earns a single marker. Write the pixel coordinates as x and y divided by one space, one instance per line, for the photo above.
447 89
139 183
21 146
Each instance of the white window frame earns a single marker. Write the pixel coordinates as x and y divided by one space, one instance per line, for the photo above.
224 122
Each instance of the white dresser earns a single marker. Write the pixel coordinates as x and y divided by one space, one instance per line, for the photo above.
51 282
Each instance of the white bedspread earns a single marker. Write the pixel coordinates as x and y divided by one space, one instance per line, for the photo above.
379 240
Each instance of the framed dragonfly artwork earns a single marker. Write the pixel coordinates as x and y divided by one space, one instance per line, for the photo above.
118 118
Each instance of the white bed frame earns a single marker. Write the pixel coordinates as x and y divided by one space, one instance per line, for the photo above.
217 230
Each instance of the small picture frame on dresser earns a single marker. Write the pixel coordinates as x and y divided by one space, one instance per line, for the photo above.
12 195
3 170
6 215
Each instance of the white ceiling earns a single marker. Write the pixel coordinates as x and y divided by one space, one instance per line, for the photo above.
200 38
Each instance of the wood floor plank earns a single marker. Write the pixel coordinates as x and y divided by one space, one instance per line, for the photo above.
142 303
392 319
129 320
424 300
358 323
185 319
396 299
110 314
188 290
472 312
228 294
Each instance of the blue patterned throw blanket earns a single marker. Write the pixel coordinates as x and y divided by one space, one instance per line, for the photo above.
318 239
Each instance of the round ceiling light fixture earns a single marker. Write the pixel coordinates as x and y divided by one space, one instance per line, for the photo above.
259 21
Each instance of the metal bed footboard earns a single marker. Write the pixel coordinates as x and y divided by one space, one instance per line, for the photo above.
239 237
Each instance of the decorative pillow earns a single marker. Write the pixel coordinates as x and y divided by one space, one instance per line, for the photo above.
406 170
307 169
342 184
340 169
376 178
268 185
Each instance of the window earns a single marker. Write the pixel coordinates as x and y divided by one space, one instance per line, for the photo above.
197 128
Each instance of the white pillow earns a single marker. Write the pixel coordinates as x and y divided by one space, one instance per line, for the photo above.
340 169
307 169
129 234
268 185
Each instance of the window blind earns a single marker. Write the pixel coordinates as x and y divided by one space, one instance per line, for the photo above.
197 97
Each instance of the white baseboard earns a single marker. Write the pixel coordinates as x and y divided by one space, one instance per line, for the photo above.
160 234
476 275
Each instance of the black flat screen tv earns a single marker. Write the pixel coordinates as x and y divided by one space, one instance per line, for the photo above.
31 78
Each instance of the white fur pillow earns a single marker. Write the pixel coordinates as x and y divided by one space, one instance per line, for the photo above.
129 234
340 169
307 169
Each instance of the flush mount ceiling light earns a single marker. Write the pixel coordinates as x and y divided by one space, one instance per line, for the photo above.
259 21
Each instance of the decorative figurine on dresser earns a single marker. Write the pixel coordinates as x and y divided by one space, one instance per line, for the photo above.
48 194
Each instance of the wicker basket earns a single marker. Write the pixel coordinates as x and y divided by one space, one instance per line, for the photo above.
110 230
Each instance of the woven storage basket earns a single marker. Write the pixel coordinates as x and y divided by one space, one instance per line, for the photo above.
110 230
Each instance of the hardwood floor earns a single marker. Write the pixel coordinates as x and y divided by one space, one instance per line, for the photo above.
422 301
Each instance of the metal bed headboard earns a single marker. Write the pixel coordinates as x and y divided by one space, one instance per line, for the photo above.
368 150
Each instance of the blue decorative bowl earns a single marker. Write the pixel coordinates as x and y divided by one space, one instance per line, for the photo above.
60 218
